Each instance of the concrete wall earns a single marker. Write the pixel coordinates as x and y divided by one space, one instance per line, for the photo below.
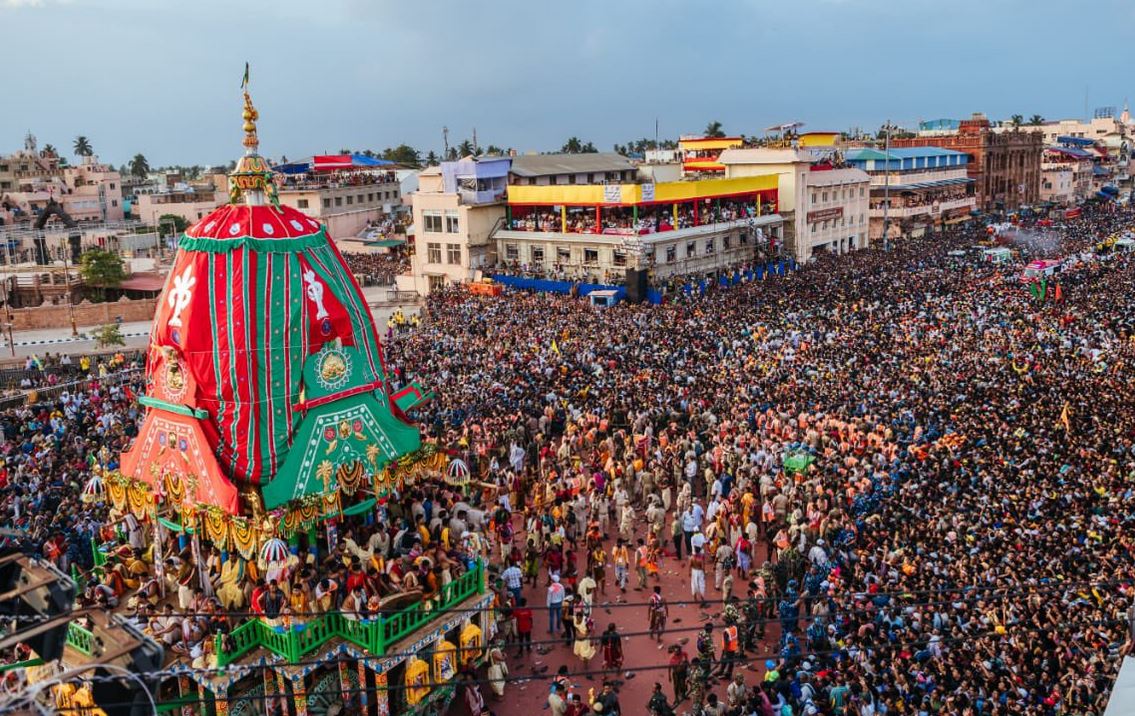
86 314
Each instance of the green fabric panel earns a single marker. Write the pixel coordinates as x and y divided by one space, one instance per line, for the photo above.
262 246
362 323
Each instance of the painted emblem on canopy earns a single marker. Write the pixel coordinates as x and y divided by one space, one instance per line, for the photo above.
334 368
180 294
315 293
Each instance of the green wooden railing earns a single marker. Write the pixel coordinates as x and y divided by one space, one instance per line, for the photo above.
373 635
20 665
80 639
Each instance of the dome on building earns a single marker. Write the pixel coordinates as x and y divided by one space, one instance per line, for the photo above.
264 363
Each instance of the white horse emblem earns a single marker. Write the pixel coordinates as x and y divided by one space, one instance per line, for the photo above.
179 296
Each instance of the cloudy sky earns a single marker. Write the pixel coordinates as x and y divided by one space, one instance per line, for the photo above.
161 77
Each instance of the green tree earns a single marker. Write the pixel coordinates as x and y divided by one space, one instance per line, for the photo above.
465 149
403 154
50 151
713 129
101 270
1036 120
1016 120
139 167
494 150
174 222
451 155
83 147
431 159
109 335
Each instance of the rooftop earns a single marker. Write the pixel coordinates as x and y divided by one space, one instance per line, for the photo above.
534 165
868 153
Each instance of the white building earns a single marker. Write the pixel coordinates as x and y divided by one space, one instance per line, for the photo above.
824 204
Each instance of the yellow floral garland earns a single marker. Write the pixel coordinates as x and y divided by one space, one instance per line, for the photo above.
216 527
244 537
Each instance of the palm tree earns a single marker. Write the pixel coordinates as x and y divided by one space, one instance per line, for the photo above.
1036 120
50 151
713 129
139 167
465 149
431 159
1016 120
83 147
572 146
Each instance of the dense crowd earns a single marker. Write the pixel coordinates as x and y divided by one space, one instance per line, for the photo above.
905 480
380 268
959 541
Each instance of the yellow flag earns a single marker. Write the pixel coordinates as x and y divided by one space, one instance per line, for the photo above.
555 348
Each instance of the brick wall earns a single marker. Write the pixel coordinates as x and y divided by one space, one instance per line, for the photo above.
86 314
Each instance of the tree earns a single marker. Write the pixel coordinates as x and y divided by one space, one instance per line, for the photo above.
101 270
494 150
109 335
1036 120
139 167
465 149
83 147
451 155
175 221
403 154
713 129
49 150
431 159
572 146
1016 120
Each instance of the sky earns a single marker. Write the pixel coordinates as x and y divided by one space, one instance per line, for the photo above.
162 77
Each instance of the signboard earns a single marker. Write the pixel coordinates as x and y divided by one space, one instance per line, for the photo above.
825 214
648 192
613 194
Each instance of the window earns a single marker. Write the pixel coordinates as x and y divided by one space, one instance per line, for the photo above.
338 201
112 185
453 253
813 197
825 196
512 252
710 246
726 242
538 255
590 256
619 257
552 180
370 196
531 181
571 178
359 198
591 178
451 222
433 253
691 249
326 203
813 228
563 255
744 237
860 192
671 254
301 203
114 202
432 220
350 200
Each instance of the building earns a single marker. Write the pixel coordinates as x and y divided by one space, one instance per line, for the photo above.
1107 137
1005 166
88 192
455 209
1067 173
824 204
591 217
345 192
917 189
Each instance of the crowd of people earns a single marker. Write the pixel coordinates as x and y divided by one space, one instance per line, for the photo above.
380 268
959 541
891 483
623 220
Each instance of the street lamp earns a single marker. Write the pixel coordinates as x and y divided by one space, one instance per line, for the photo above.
67 279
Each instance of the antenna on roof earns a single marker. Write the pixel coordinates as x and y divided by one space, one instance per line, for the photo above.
475 152
445 142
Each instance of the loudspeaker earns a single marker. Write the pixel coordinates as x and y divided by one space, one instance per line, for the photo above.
636 285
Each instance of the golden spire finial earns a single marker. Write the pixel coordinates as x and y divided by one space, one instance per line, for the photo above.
250 115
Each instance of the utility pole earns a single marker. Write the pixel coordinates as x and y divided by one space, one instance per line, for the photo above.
67 280
887 186
475 152
445 143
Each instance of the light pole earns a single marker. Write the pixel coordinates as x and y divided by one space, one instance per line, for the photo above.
887 186
67 280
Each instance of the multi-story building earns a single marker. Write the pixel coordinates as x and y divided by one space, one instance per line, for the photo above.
1066 174
824 204
916 189
344 201
591 217
30 179
1005 166
456 207
1107 137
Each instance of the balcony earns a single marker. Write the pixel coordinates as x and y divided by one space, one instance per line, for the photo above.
902 212
630 236
470 197
374 635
